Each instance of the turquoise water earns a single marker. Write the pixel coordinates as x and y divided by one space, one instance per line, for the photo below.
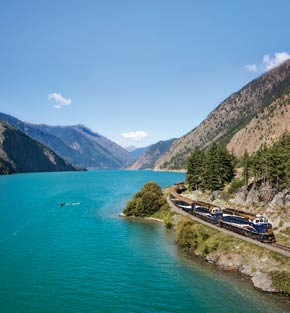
84 258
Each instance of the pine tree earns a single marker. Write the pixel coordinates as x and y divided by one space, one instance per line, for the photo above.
225 163
209 177
217 168
246 167
194 169
259 164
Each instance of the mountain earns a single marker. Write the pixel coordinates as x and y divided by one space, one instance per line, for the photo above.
76 144
254 115
136 152
19 153
130 148
147 160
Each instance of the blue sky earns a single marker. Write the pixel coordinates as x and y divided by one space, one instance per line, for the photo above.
157 67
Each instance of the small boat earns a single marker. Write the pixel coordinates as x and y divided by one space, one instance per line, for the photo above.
69 203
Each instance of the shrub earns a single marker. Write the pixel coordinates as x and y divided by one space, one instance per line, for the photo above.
196 236
235 185
145 202
281 281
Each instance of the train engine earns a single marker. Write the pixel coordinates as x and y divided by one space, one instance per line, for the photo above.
247 224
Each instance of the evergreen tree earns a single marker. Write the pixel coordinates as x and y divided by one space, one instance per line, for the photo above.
259 163
194 169
279 170
225 163
246 167
272 164
217 168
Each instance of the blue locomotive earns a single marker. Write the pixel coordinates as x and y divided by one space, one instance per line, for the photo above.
247 224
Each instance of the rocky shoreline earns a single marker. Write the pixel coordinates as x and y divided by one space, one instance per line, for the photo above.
256 263
268 270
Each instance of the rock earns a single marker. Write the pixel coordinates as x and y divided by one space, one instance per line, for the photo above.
263 281
253 196
278 199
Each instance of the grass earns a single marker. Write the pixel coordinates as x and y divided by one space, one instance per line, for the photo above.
205 241
235 185
282 238
164 214
281 281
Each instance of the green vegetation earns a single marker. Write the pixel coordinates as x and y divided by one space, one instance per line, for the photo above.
196 236
210 169
150 202
235 185
281 281
207 242
204 240
146 202
213 168
272 164
164 214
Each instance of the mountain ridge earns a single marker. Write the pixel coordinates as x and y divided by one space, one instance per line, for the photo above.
20 154
148 158
76 143
229 117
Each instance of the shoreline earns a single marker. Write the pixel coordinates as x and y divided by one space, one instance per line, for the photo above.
228 261
143 218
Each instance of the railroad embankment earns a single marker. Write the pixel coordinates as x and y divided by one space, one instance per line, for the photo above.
277 213
268 270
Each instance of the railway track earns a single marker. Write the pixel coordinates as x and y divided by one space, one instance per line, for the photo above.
280 246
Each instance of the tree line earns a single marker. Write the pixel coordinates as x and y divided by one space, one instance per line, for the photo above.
213 168
210 169
269 164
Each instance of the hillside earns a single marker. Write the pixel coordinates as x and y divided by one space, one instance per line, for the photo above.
233 115
19 153
152 154
265 127
76 144
136 152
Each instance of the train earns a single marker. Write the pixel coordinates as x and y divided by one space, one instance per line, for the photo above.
247 224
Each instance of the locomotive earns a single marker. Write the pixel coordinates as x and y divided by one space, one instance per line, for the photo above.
247 224
250 225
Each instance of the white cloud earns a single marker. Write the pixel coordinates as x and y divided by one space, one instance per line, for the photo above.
268 62
60 100
272 62
138 135
252 68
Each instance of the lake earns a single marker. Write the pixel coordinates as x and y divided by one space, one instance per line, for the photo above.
82 257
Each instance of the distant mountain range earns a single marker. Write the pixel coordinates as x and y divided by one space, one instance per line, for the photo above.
19 153
77 144
148 159
131 148
258 113
136 152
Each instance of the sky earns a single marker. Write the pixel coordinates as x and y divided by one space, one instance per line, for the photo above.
134 71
